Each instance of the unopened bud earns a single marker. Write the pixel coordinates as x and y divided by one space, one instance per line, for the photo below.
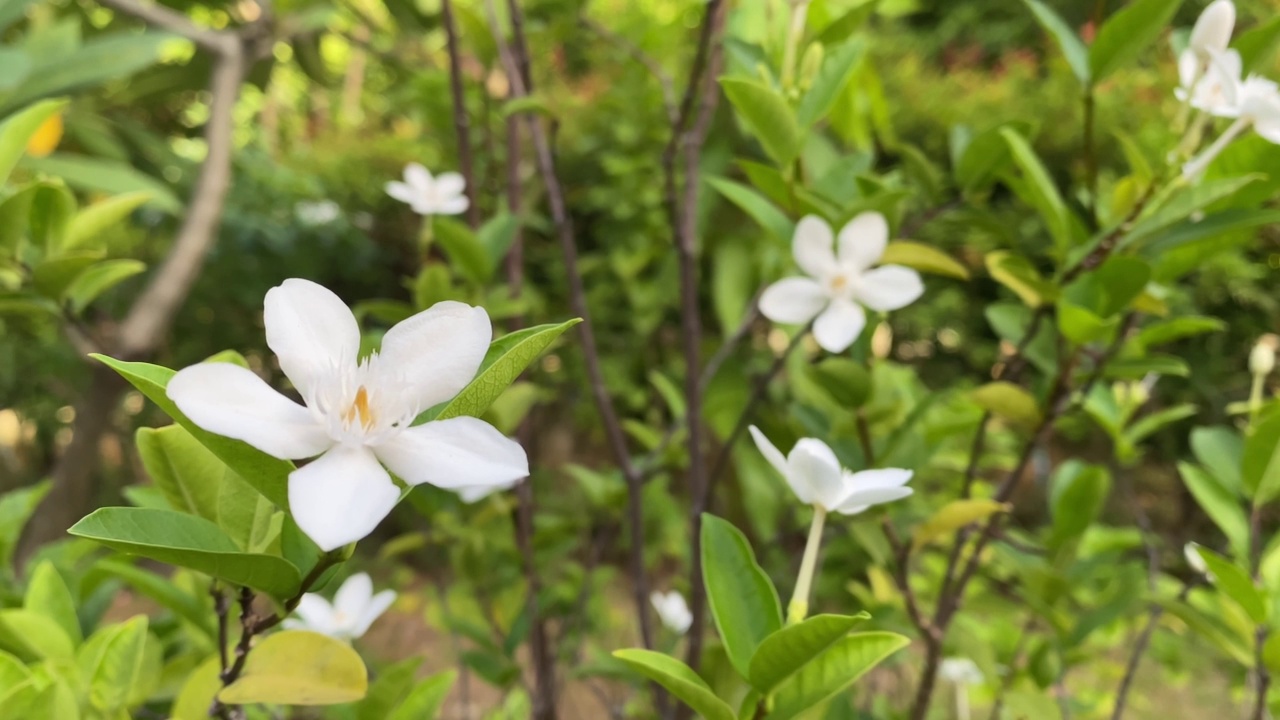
1212 31
1262 359
1195 559
810 64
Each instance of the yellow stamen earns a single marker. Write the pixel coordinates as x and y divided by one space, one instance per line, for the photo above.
360 408
839 282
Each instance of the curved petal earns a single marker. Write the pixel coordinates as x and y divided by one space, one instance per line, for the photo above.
879 478
418 177
401 191
378 605
770 451
813 246
341 497
839 325
353 597
461 452
889 287
449 184
453 205
314 613
860 500
815 473
475 493
862 241
426 359
794 301
230 400
1189 65
311 331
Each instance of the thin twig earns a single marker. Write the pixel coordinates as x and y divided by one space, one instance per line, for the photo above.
461 121
1140 649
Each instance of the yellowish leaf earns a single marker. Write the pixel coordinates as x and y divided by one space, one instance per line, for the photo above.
296 667
953 516
1010 403
924 258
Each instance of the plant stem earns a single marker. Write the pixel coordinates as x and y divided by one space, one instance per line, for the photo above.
798 609
461 121
1197 166
795 32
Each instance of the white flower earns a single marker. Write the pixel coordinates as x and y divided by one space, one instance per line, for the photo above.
815 475
429 195
841 280
354 609
1262 359
1212 30
1257 102
319 212
672 610
1217 89
960 671
358 412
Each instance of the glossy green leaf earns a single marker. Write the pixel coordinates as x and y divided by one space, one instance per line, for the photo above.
1260 464
1235 583
17 130
13 672
1221 505
1073 49
93 220
1220 450
52 207
1019 275
837 70
466 253
985 156
679 679
33 636
111 661
765 213
47 594
785 652
1179 328
16 507
833 671
846 381
187 541
743 602
389 687
1153 422
197 692
767 116
297 667
99 278
1257 45
922 257
99 59
1128 32
1137 368
1010 403
1078 491
496 236
1082 326
162 590
268 475
426 699
1041 192
186 472
105 176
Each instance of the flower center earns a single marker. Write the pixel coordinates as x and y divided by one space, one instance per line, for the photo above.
360 409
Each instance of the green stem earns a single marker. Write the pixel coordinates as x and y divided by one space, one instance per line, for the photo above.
1255 398
799 10
799 607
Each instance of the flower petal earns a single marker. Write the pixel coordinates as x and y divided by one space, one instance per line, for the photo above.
461 452
353 597
860 500
770 451
795 300
449 184
426 359
311 331
401 191
374 610
839 325
314 613
418 177
889 287
815 473
452 206
862 241
879 478
341 497
813 246
230 400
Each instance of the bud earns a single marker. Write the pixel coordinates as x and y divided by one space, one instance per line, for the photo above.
1212 31
1262 359
1194 559
810 64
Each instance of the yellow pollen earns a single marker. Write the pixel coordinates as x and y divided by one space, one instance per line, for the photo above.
360 408
839 282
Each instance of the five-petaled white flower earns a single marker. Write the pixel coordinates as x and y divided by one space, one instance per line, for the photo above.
358 412
673 611
1209 36
841 280
961 671
353 610
1217 89
816 477
427 195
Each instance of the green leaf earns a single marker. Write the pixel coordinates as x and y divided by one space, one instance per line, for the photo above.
268 475
469 257
953 516
743 602
112 661
1220 504
1260 465
1149 424
1041 193
1221 450
47 594
1082 326
105 176
679 679
1182 204
33 636
496 237
92 221
1167 331
17 130
767 115
1235 583
16 507
162 590
99 278
426 700
1010 403
765 213
52 207
99 59
507 357
1077 494
1016 273
1257 46
1127 33
1212 226
197 692
297 667
1073 49
846 381
985 156
248 518
785 652
925 258
837 69
390 686
188 473
833 671
13 672
1139 367
15 218
187 541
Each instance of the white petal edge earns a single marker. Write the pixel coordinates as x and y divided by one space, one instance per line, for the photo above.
418 177
860 500
232 401
889 287
311 331
341 497
814 473
314 613
426 359
450 184
770 451
401 191
352 599
377 605
793 301
813 247
461 452
862 241
879 478
453 206
839 325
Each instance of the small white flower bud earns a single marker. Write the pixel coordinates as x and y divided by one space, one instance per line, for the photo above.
1262 359
1197 563
1212 31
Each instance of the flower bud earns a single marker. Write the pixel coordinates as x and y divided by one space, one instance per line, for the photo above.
1194 559
810 64
1212 31
1262 359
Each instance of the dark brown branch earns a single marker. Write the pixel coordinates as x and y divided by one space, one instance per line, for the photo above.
1140 649
214 41
461 121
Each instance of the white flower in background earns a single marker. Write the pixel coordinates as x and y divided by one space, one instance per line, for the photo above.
1195 560
353 610
320 212
815 475
1258 107
841 280
960 671
1210 35
1218 90
427 195
672 611
1262 359
358 412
